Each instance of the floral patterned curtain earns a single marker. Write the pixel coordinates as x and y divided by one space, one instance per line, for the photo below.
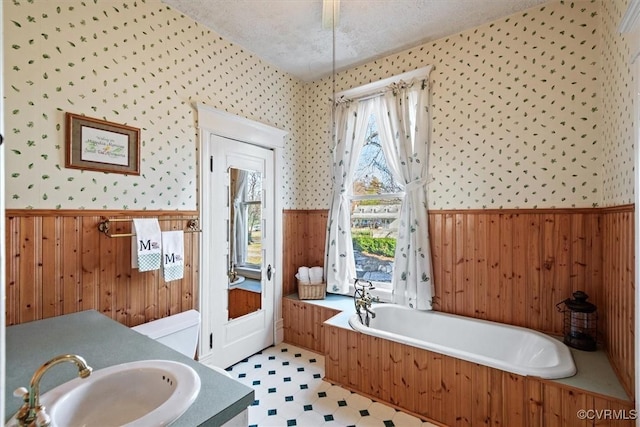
403 118
350 126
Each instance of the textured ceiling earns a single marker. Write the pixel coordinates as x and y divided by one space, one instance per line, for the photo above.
289 33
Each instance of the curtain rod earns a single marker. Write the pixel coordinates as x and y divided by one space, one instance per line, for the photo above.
371 90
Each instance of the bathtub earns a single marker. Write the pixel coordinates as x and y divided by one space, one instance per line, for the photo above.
513 349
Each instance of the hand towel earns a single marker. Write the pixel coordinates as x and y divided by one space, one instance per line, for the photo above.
316 275
145 245
303 275
173 255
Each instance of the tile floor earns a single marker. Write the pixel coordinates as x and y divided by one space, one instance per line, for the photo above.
289 391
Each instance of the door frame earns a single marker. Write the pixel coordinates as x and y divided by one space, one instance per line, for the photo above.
212 121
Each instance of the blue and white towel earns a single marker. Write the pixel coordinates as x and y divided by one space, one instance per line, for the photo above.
146 244
173 255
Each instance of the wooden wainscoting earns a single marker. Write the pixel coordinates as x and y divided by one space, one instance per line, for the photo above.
303 324
455 392
513 266
616 312
243 302
59 263
304 242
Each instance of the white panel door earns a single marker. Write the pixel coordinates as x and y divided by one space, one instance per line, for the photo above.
233 339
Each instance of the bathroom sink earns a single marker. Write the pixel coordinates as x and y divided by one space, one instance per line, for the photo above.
142 393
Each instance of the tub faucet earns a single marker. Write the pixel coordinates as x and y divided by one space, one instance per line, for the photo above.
33 414
363 300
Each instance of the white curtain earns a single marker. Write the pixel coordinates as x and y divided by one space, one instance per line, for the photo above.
403 118
240 231
351 119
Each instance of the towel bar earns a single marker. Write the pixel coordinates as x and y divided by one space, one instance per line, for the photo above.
105 224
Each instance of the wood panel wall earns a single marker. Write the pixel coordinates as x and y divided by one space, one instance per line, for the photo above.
514 266
616 314
243 302
455 392
59 263
303 324
304 243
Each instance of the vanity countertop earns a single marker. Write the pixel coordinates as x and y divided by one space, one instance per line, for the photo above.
104 342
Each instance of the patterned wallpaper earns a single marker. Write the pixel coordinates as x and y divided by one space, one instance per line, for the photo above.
134 62
617 108
517 112
533 110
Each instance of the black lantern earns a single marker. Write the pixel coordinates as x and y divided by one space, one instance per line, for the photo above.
580 322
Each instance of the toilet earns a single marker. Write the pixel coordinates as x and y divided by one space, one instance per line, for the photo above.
180 331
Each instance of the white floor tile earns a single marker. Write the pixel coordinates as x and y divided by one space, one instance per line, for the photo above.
289 391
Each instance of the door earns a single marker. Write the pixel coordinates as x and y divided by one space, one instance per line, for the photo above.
242 250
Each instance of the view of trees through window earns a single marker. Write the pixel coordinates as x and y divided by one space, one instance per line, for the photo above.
375 207
253 205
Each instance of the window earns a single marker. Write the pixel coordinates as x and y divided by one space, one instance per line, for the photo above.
375 207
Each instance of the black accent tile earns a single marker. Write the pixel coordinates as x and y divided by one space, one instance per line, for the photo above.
272 372
322 394
300 369
388 423
285 363
272 358
242 375
328 417
291 423
287 379
308 407
317 376
257 366
303 386
256 382
255 402
312 360
364 413
342 403
271 412
272 390
288 398
284 350
298 354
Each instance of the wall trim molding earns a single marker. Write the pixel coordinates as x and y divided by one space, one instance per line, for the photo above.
95 212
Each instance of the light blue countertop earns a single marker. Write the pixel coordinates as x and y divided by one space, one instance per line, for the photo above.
104 342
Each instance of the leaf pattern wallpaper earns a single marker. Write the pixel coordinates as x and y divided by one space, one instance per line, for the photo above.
530 111
134 62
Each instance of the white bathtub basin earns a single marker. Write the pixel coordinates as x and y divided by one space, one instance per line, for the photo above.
143 393
239 280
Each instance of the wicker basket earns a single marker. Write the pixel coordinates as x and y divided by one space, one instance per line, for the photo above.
311 291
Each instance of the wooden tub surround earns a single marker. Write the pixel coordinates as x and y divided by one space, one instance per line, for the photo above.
443 389
455 392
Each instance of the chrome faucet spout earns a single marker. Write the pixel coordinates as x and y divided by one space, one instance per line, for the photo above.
32 413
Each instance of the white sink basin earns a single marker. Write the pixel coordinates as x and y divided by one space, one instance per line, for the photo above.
143 393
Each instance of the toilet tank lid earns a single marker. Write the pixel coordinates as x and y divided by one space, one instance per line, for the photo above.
170 324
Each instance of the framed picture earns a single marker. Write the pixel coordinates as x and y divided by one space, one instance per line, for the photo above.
102 146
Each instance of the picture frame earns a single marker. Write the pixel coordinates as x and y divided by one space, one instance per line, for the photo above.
101 146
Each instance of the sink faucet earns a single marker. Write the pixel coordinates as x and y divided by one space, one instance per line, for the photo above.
363 299
33 414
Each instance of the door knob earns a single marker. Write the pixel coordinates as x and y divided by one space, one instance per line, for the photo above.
269 271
